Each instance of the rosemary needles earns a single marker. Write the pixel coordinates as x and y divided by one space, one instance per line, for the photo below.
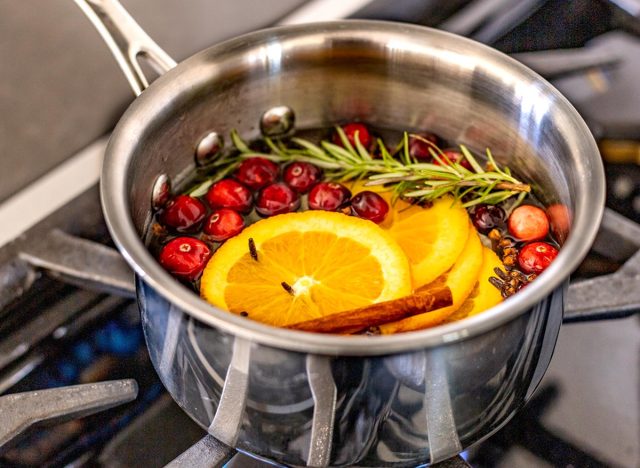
398 171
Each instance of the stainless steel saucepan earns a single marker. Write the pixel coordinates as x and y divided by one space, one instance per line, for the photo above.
307 399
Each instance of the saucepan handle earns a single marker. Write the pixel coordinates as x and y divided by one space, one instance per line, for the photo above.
616 295
127 41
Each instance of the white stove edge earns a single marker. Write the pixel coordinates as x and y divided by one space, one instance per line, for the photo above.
51 191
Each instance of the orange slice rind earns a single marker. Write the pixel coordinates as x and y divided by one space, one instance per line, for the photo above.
484 294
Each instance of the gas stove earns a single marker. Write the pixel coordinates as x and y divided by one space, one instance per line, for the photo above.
66 321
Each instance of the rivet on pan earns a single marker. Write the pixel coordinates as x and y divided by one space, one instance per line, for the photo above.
161 192
277 121
208 148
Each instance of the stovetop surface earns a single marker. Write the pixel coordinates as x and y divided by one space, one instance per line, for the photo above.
586 412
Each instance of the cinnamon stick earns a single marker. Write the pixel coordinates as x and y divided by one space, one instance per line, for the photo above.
357 320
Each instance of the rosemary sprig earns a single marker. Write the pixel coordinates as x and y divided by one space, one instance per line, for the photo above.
220 167
399 171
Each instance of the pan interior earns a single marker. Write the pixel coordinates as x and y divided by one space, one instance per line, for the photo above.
392 76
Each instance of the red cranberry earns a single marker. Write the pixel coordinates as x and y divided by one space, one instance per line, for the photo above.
183 213
419 148
351 129
185 257
328 196
256 173
229 193
559 221
223 224
277 199
369 205
487 217
528 222
536 257
301 176
454 156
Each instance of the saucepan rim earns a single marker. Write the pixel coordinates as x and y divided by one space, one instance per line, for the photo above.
115 200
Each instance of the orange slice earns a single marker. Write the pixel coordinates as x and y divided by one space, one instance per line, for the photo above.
461 279
309 264
484 294
431 237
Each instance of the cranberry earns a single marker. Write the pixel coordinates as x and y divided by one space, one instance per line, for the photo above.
351 129
528 222
487 217
183 213
419 148
277 199
223 224
328 196
301 176
559 221
536 257
369 205
185 257
229 193
454 156
257 173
